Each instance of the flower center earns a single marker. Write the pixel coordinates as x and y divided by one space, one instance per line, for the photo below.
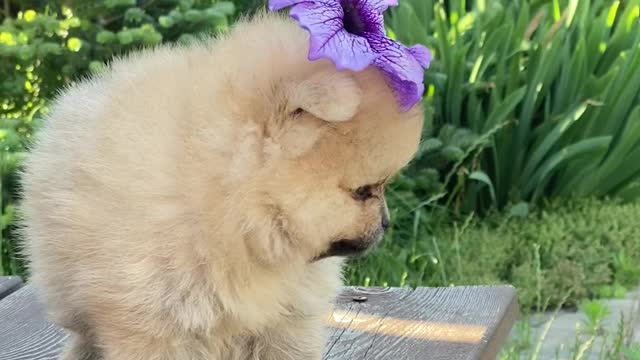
354 20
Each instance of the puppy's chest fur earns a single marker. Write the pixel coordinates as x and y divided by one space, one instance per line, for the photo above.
257 302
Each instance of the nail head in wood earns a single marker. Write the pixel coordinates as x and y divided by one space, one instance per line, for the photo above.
360 298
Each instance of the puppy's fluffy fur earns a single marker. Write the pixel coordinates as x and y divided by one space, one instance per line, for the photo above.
194 203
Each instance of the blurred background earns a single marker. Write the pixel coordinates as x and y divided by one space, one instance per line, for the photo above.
528 172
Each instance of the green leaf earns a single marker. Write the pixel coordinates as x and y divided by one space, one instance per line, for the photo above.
125 37
571 11
7 216
632 353
520 209
627 137
501 111
484 178
452 153
74 44
543 149
166 21
556 10
134 15
110 4
29 15
47 48
70 23
442 35
217 18
630 192
193 15
68 70
26 52
187 39
430 145
563 96
227 8
11 161
454 85
587 146
402 17
105 37
595 310
627 172
616 291
496 39
96 67
186 4
613 10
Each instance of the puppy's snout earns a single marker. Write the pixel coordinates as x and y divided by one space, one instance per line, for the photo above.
384 216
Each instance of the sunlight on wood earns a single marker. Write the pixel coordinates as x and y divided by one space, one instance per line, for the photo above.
423 330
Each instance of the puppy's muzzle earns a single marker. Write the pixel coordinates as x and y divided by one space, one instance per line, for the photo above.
353 247
358 247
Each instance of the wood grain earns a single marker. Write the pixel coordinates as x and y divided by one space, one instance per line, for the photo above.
374 323
25 334
9 284
426 323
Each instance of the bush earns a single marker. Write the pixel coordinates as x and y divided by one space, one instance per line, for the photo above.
579 249
528 102
44 48
529 99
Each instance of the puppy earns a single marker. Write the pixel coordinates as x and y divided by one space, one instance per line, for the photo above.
198 202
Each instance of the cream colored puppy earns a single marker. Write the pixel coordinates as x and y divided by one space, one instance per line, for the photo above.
197 202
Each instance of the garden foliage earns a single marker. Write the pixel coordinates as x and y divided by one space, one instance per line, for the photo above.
529 99
44 46
575 250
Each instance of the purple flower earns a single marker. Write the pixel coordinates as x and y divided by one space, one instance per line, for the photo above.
351 34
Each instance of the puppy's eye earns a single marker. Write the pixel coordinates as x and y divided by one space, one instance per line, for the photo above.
363 193
297 112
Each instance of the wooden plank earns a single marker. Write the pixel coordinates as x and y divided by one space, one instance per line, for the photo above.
9 284
25 334
398 324
426 323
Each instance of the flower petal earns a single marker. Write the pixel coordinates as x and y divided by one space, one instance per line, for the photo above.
382 5
404 73
363 16
275 5
323 20
422 55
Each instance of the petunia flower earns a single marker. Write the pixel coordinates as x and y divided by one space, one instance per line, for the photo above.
351 34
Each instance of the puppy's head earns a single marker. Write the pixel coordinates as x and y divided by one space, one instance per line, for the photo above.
331 141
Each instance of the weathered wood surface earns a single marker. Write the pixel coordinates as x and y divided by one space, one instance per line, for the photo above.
397 324
24 332
427 323
9 284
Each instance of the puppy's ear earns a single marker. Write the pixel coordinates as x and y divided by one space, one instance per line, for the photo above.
330 96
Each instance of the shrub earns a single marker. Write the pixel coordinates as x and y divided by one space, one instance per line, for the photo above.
44 48
576 248
529 99
527 102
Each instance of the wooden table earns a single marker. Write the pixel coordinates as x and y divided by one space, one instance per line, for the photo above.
368 323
